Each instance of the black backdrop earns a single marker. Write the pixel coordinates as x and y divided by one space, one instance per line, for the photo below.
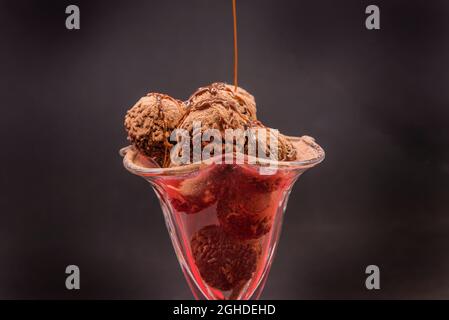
377 101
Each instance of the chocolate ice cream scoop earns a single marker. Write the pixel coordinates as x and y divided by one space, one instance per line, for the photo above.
245 102
286 151
224 262
150 122
216 114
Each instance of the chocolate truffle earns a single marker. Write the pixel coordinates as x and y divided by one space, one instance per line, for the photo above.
224 262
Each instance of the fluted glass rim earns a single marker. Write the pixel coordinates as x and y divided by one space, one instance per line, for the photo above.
129 153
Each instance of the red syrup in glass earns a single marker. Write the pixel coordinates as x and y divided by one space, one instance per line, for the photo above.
225 216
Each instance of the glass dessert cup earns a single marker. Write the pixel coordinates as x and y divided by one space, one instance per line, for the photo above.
224 219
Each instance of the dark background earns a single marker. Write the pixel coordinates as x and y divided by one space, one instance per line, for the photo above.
377 101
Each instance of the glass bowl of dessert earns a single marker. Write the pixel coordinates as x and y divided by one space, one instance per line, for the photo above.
223 202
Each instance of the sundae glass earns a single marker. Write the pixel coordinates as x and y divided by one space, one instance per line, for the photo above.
224 217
